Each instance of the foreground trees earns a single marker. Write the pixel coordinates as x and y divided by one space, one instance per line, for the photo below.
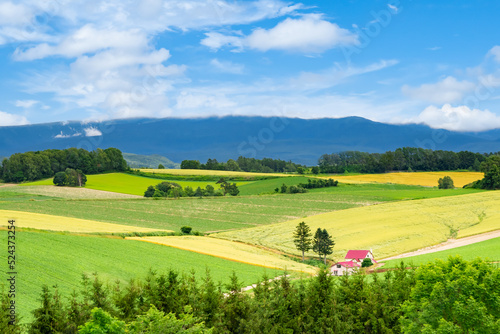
453 296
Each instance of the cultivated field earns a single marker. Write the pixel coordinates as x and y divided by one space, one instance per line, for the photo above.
56 259
58 223
389 228
127 184
226 213
485 249
70 192
427 179
230 250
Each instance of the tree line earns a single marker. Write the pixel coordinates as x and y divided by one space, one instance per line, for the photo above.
453 296
174 190
31 166
265 165
402 159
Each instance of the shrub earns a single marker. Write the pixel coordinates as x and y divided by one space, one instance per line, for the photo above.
186 229
445 183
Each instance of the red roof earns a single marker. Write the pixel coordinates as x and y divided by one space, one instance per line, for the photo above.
348 264
357 254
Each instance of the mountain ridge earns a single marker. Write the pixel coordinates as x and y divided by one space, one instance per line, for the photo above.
300 140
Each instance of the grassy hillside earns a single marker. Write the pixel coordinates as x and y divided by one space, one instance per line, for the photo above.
148 161
126 183
389 228
485 249
212 172
56 259
428 179
224 213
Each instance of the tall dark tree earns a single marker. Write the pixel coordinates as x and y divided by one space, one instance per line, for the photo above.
323 243
302 238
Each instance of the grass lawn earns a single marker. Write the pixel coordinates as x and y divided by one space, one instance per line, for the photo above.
485 249
57 259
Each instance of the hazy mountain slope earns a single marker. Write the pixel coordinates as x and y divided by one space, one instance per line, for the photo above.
300 140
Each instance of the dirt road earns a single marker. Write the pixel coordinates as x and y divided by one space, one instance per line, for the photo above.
451 243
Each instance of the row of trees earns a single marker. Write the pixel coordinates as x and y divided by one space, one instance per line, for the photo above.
37 165
174 190
453 296
322 243
266 165
402 159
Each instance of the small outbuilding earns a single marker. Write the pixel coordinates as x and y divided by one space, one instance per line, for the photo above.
343 268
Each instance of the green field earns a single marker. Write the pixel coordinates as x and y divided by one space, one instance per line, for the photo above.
485 249
225 213
127 184
268 186
57 259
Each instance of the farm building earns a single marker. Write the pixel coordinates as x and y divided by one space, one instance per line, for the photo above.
342 268
358 256
353 260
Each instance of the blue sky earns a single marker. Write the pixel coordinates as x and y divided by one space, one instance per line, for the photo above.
428 62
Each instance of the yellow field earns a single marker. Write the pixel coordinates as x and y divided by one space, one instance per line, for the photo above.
229 250
427 179
390 228
58 223
209 172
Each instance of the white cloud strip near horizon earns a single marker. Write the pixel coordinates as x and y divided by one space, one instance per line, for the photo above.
308 34
7 119
460 118
448 90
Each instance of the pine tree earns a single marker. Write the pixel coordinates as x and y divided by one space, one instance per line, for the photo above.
302 238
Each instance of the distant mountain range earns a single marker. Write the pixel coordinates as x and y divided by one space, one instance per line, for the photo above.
300 140
148 161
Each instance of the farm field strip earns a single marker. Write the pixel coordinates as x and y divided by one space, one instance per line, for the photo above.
389 228
428 179
489 249
70 256
127 184
230 251
58 223
71 192
211 172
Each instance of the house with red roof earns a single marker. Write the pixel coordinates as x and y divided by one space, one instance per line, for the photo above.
352 262
359 255
342 268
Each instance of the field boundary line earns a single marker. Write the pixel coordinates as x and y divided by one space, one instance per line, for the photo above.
449 244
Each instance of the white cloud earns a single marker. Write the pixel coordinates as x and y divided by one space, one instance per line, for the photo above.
308 34
62 135
85 40
14 14
7 119
495 53
393 8
460 118
448 90
227 66
26 103
92 132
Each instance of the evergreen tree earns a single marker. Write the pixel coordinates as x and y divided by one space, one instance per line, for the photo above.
49 317
323 243
302 238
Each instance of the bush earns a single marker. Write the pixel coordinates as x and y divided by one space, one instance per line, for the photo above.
186 229
366 263
445 183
